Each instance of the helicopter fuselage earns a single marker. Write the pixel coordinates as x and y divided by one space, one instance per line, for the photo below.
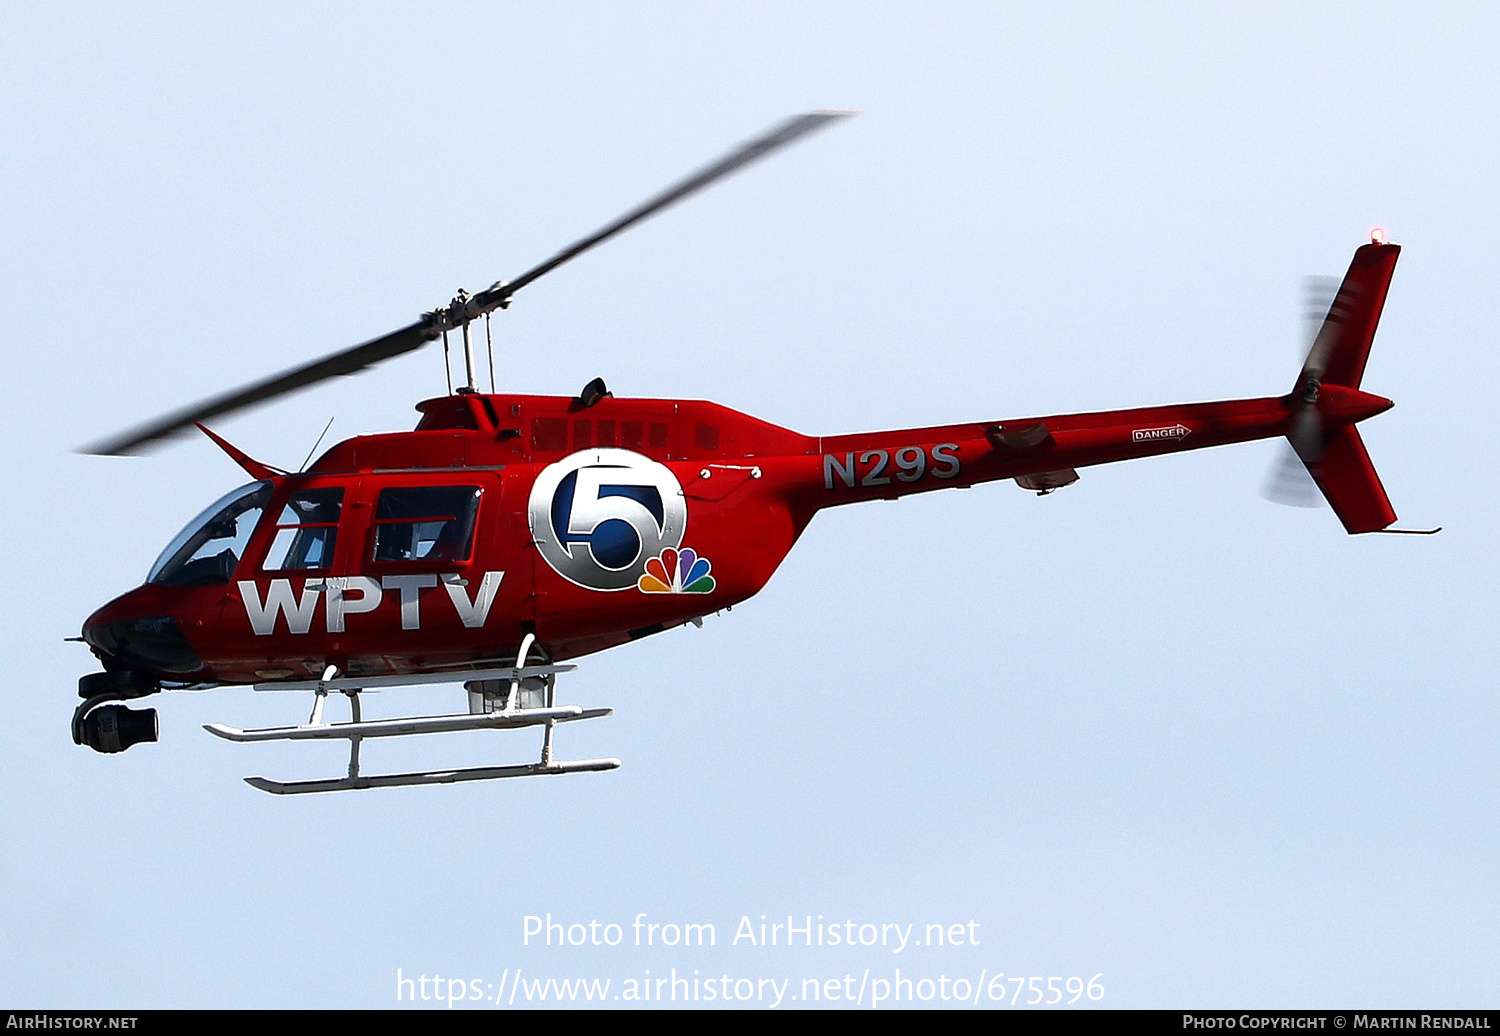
507 530
585 525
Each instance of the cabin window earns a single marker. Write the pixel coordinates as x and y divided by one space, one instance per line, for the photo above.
426 523
632 434
606 430
207 551
306 530
707 437
581 438
658 432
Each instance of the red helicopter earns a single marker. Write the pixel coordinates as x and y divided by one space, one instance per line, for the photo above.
507 534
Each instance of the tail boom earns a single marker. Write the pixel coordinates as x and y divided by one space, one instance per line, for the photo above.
891 464
860 467
1318 416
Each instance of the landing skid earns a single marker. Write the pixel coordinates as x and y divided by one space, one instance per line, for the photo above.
397 780
507 700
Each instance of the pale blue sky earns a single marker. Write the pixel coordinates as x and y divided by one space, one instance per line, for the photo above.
1150 726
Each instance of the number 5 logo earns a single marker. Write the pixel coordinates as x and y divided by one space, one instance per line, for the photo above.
597 517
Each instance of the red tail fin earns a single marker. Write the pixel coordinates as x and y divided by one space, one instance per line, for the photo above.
1336 364
1343 343
1348 480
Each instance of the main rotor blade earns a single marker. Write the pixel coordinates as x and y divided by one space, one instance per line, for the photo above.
348 361
769 142
462 309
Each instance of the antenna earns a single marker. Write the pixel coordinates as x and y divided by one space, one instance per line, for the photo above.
316 445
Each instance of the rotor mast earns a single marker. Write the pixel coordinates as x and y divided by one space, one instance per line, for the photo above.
458 310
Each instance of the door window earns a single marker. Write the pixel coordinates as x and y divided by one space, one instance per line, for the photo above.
425 523
306 530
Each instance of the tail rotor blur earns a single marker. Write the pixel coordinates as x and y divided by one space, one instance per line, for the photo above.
1290 484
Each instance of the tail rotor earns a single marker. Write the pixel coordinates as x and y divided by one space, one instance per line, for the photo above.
1290 484
1327 402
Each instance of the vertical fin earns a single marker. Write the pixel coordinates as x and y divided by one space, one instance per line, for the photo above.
1342 344
1348 480
253 467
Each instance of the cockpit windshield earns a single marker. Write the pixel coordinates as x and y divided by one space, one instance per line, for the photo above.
207 551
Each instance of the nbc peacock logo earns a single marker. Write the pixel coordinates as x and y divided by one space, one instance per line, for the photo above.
677 572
